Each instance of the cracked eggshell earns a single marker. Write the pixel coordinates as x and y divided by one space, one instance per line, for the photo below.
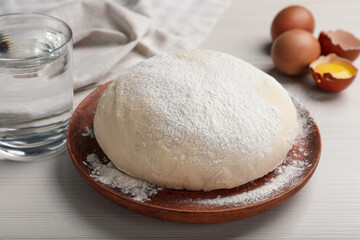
327 81
340 42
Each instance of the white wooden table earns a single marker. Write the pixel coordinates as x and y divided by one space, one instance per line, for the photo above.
43 200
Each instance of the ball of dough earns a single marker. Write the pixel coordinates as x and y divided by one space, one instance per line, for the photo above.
196 120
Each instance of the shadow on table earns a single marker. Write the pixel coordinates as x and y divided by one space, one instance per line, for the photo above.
266 48
104 218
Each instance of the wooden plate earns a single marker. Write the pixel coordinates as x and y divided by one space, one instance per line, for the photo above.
186 206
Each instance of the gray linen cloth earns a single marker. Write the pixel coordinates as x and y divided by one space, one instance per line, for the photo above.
112 35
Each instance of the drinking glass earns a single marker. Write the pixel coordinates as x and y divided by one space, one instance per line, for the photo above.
36 88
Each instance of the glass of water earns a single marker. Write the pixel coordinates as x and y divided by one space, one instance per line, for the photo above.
36 88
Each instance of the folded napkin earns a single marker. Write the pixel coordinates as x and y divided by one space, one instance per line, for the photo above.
110 36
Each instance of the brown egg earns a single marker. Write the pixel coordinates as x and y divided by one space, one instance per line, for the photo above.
294 50
293 17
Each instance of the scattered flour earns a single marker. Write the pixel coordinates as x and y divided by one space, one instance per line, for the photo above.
88 133
109 175
288 177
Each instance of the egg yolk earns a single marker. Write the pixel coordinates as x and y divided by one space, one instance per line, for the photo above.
336 69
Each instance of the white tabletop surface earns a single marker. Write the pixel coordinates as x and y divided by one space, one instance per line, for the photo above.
49 199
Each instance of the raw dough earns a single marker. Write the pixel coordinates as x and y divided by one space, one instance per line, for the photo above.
196 120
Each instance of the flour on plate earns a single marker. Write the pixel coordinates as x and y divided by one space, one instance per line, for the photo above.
109 175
